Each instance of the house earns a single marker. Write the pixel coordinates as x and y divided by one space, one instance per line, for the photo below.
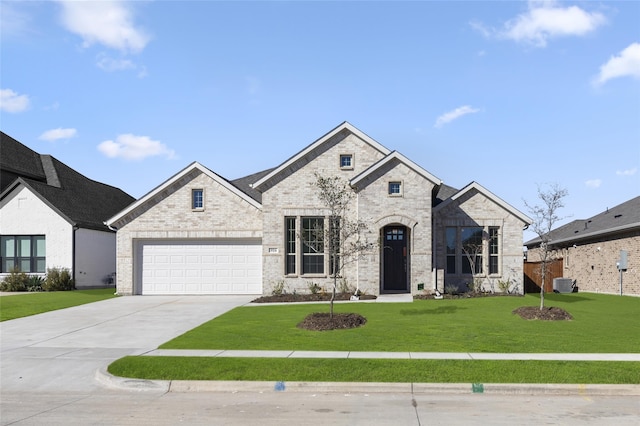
52 216
591 249
199 233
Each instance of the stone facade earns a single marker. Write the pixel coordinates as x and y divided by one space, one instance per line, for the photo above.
392 195
476 209
168 215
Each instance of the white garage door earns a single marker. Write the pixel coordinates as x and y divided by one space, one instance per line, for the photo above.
226 267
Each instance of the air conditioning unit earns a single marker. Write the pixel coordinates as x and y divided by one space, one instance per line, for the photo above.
562 285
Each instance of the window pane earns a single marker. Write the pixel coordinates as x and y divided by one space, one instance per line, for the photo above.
394 187
8 246
197 198
8 264
25 265
451 264
493 265
312 245
290 245
39 246
451 240
345 161
24 247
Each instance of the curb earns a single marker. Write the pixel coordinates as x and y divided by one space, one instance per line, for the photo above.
186 386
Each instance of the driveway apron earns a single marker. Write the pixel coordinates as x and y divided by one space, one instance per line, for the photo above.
62 350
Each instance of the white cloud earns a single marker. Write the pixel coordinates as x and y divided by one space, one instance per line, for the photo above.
109 23
132 147
628 172
627 63
543 21
448 117
593 183
108 63
59 133
10 101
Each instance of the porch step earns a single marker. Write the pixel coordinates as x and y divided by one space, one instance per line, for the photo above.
395 298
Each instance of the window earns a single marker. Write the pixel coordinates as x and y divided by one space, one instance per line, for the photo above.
471 250
346 161
197 199
312 240
451 237
493 250
290 245
26 252
395 188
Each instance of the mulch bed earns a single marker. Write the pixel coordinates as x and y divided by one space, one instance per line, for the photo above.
546 314
322 321
318 297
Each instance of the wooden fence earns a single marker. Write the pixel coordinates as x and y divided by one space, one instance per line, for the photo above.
533 276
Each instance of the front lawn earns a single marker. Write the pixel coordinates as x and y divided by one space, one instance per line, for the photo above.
602 323
23 305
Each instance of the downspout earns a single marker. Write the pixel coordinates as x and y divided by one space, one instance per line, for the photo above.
73 254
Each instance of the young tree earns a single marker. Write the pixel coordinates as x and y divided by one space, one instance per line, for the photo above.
472 247
545 216
344 235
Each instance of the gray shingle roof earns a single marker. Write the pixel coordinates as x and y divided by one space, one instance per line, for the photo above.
620 218
244 184
84 202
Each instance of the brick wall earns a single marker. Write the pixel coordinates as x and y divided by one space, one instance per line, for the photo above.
476 209
169 216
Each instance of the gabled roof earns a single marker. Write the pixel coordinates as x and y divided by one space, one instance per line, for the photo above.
79 200
345 126
190 168
443 193
395 155
621 218
475 186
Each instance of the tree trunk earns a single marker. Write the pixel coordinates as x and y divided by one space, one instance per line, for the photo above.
333 296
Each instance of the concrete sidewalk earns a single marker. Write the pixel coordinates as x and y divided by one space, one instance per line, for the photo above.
399 355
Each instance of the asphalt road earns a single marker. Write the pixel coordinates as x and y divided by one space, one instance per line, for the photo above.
48 370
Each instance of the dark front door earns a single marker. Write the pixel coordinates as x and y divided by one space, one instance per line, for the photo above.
394 259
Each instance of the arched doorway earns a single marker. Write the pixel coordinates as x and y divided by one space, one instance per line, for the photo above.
395 259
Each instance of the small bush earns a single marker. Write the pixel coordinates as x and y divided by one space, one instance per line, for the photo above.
314 288
58 279
34 283
15 281
451 289
278 288
344 287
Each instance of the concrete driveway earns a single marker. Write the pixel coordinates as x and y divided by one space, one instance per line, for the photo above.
61 350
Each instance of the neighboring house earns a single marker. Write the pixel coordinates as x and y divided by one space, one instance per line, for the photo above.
198 233
590 249
52 216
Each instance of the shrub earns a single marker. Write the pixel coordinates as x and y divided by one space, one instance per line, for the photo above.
451 289
58 279
314 288
34 283
278 288
344 287
15 281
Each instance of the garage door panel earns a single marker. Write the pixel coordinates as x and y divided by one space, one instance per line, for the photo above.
201 268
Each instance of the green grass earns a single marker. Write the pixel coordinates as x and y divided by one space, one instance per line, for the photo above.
602 323
24 305
375 370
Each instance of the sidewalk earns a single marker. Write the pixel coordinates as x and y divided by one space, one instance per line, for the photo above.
398 355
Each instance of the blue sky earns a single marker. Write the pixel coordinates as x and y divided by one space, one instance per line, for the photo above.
512 95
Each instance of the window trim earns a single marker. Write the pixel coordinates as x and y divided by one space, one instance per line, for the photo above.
17 259
194 191
351 161
400 185
321 254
